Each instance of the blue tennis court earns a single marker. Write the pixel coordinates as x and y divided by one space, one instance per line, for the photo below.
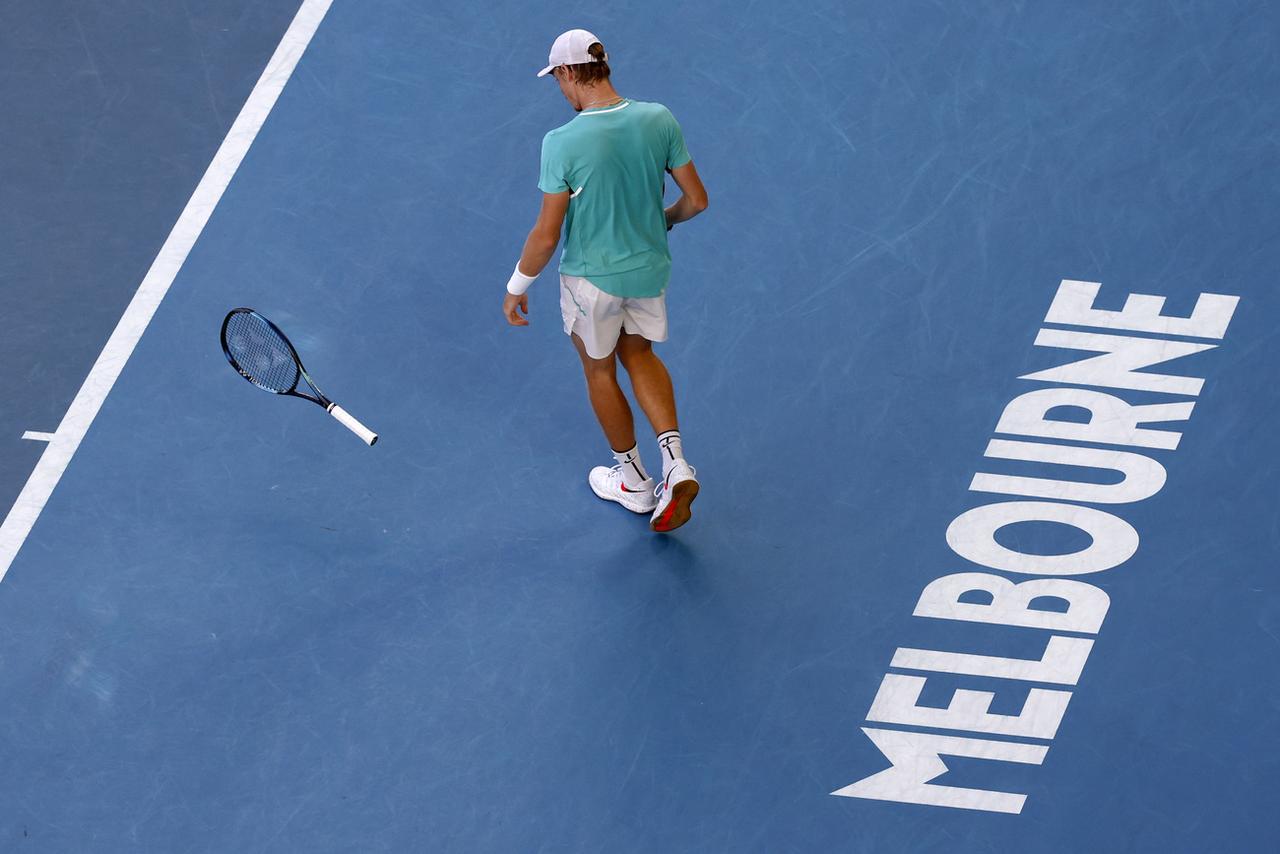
974 353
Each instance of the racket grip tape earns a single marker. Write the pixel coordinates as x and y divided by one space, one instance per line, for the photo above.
349 421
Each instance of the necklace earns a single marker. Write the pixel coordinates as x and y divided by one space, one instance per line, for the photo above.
605 103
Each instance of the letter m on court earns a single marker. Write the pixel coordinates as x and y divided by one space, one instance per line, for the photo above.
916 759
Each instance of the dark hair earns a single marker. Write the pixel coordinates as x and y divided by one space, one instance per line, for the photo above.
591 72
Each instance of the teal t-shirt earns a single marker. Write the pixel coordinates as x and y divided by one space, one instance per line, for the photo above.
613 161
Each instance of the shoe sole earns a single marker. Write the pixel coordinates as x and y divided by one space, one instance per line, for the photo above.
615 500
678 511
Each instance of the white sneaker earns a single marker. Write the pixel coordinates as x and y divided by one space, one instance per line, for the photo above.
608 484
674 494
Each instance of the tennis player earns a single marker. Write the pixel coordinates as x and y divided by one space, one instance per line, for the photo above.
602 180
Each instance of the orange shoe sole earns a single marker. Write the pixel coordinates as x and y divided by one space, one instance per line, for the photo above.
677 512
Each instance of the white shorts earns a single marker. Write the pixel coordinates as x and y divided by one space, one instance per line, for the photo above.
599 318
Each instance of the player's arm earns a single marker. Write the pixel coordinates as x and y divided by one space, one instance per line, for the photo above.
539 246
693 199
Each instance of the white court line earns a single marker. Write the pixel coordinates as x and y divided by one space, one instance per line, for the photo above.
66 439
37 436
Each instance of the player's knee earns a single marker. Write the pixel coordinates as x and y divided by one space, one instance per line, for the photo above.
599 369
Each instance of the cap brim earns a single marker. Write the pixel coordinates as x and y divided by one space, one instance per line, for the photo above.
544 72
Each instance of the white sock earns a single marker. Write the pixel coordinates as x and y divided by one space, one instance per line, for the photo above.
672 452
633 473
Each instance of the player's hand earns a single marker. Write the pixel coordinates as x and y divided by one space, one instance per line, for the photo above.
510 303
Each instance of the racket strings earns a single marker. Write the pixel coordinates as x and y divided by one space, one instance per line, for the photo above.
261 354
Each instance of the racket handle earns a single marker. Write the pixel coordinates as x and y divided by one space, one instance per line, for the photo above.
352 424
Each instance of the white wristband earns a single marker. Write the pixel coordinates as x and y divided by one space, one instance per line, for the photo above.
519 282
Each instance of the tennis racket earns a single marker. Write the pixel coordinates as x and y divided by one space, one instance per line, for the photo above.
260 353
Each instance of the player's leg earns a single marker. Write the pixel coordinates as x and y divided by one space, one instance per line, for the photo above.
627 482
593 320
645 322
607 399
650 381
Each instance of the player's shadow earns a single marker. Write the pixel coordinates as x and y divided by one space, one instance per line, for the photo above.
669 555
674 553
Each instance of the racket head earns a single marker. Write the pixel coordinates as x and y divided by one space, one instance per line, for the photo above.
263 355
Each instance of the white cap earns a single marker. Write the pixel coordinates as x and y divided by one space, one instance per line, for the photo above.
570 49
